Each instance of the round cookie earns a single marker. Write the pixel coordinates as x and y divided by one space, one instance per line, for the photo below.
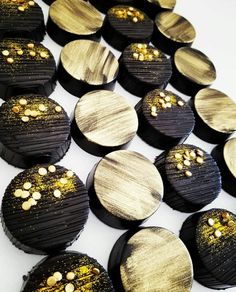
210 237
44 209
165 120
215 115
125 189
68 271
172 31
124 25
104 121
25 67
143 68
150 259
21 18
85 66
191 177
70 20
33 129
225 156
192 71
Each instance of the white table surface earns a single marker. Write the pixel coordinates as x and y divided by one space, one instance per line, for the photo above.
215 23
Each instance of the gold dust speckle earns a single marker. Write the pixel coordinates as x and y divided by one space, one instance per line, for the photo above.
22 101
51 168
69 173
57 193
70 276
27 185
63 180
21 8
96 271
26 206
25 194
69 287
20 52
10 60
5 53
211 222
30 46
179 166
51 281
32 53
32 202
18 193
58 276
42 171
36 196
199 160
217 233
25 119
16 109
58 109
188 173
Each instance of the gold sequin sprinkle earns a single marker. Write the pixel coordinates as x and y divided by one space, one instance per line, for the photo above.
135 19
57 193
36 196
230 223
42 171
26 206
5 53
188 173
69 173
25 119
225 215
43 55
211 222
95 271
16 109
69 288
42 107
167 98
154 114
192 154
20 52
156 53
51 168
31 3
10 60
153 108
58 109
199 160
22 101
135 55
162 94
180 103
187 162
179 166
32 53
51 281
30 46
168 105
27 185
178 156
63 180
58 276
217 233
200 152
70 276
27 112
32 202
21 8
25 194
18 193
33 114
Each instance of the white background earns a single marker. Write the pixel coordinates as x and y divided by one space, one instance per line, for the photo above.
215 23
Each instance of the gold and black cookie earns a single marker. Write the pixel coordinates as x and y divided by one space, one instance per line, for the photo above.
70 272
33 129
125 189
124 25
210 237
21 18
104 121
191 177
153 7
44 209
165 120
143 68
25 67
215 115
192 71
150 259
85 66
225 156
104 5
70 20
172 31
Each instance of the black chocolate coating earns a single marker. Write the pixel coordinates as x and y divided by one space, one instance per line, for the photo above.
27 74
188 194
54 223
43 139
104 5
63 263
140 77
170 127
121 32
213 259
26 24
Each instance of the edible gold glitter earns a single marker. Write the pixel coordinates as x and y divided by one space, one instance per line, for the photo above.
130 13
143 52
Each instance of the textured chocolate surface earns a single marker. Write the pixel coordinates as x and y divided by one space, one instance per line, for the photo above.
25 67
104 121
70 20
125 189
164 119
57 217
124 25
89 274
85 66
143 68
211 240
150 259
35 132
188 192
21 18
